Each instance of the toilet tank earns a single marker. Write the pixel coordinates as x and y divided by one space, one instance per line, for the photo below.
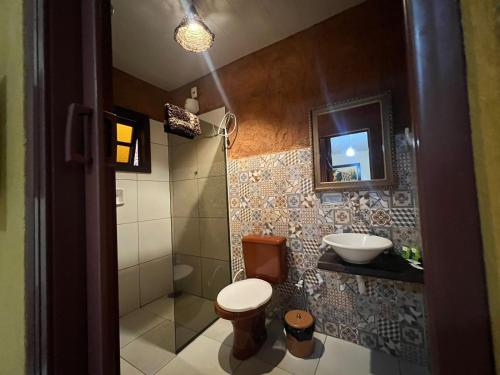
265 257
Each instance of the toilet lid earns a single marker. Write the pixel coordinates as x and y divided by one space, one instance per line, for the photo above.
245 295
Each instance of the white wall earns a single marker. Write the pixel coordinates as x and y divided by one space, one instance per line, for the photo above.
144 229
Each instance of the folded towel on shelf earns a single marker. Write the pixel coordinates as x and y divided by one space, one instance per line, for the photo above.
181 122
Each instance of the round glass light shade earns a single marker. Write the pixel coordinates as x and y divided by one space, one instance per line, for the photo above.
193 35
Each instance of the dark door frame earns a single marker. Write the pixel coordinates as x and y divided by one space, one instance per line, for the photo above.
455 288
71 267
455 284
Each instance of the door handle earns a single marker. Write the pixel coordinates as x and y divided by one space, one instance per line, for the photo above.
77 114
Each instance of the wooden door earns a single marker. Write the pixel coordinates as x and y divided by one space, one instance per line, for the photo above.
71 253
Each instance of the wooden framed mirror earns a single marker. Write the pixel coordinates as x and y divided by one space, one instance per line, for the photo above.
352 143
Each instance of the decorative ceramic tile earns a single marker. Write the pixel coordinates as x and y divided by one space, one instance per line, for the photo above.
310 231
293 174
256 214
388 329
332 329
349 334
385 290
403 217
308 200
379 199
386 345
364 200
366 307
325 214
381 232
310 261
295 230
401 198
308 215
342 216
368 339
360 229
269 229
295 258
388 310
361 217
306 185
404 236
234 202
296 245
381 217
244 190
326 229
335 199
412 334
293 200
280 201
243 177
274 195
294 215
311 246
414 354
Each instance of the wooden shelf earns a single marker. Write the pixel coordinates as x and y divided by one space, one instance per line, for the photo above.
385 266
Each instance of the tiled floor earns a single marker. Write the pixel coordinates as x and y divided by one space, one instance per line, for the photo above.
147 338
210 353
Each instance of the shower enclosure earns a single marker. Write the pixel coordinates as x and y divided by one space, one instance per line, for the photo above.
173 242
200 239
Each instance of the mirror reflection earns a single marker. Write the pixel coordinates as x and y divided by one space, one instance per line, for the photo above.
352 143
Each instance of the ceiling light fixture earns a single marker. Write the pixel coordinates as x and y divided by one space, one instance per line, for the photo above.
193 34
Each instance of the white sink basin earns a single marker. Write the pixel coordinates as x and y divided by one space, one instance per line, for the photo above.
357 248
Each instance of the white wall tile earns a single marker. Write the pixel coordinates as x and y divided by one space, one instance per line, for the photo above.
128 251
183 161
215 276
210 155
157 133
156 279
128 290
177 140
214 240
184 198
191 283
128 212
153 350
186 236
159 164
154 200
213 117
125 176
212 197
155 239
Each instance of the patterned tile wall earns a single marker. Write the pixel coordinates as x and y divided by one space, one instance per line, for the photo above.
273 195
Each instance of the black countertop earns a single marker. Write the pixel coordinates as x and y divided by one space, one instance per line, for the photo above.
385 266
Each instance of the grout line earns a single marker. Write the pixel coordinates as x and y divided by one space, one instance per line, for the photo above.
145 332
138 247
131 364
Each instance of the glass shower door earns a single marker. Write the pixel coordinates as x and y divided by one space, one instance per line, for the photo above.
201 264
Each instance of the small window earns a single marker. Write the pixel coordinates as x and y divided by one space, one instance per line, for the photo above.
133 149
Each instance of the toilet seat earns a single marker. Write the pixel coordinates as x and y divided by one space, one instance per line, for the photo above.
245 295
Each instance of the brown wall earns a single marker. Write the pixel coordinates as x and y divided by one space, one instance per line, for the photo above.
356 53
132 93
